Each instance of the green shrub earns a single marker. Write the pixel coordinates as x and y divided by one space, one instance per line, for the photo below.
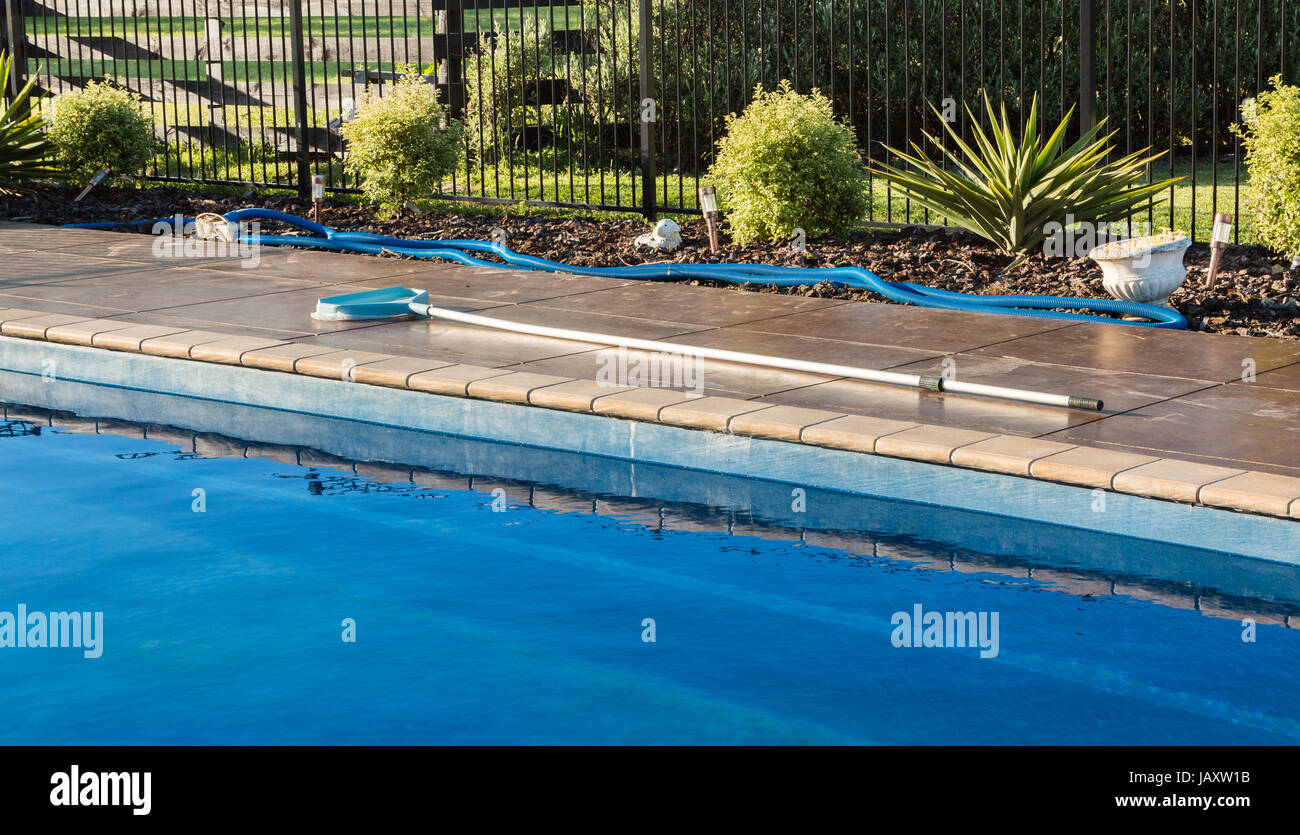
99 126
500 86
401 146
1009 190
23 146
788 163
1271 136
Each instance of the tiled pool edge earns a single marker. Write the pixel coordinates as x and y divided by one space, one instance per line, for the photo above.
795 463
1230 486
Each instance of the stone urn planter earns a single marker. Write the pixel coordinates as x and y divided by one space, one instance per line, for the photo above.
1144 270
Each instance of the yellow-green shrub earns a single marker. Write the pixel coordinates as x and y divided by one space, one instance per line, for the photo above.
788 163
401 146
100 126
1271 136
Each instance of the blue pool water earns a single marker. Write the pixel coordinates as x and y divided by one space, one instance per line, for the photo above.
525 625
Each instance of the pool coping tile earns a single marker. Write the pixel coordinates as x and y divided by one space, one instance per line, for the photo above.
574 395
930 442
84 332
1011 454
452 379
512 387
37 326
784 423
283 357
395 371
858 433
1169 478
132 336
1254 492
639 403
709 412
231 350
337 364
1087 466
179 343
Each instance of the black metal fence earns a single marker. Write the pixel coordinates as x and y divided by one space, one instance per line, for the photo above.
617 104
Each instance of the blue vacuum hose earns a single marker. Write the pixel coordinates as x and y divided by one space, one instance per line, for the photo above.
858 278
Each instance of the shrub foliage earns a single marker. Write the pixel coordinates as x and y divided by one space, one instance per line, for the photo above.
1008 190
101 125
787 163
401 146
23 145
1271 136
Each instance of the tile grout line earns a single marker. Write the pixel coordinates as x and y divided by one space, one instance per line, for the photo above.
953 451
1156 402
726 427
875 442
1033 461
804 429
1201 488
1118 473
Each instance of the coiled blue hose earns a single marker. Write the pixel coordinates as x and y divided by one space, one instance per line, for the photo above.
853 277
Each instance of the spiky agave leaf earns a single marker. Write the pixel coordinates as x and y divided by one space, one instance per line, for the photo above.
24 150
1008 191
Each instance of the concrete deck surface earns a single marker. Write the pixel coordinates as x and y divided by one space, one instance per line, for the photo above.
1225 401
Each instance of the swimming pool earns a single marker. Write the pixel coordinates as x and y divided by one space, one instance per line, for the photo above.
508 595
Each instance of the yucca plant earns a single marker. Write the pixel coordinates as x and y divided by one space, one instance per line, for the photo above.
23 146
1009 191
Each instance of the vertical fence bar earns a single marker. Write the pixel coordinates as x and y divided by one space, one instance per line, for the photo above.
299 95
1087 70
15 34
1193 120
649 114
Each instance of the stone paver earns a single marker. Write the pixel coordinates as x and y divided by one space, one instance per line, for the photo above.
1186 421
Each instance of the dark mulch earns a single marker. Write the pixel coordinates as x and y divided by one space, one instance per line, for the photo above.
1257 293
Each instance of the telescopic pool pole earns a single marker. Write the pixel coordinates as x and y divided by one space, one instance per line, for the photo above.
709 205
928 382
1218 243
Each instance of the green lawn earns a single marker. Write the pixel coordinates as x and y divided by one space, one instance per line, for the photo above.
374 27
536 177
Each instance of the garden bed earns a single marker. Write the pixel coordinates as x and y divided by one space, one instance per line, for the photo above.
1257 294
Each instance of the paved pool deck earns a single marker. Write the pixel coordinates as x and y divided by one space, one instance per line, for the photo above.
1189 417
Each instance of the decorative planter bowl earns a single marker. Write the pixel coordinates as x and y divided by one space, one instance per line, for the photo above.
1144 270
